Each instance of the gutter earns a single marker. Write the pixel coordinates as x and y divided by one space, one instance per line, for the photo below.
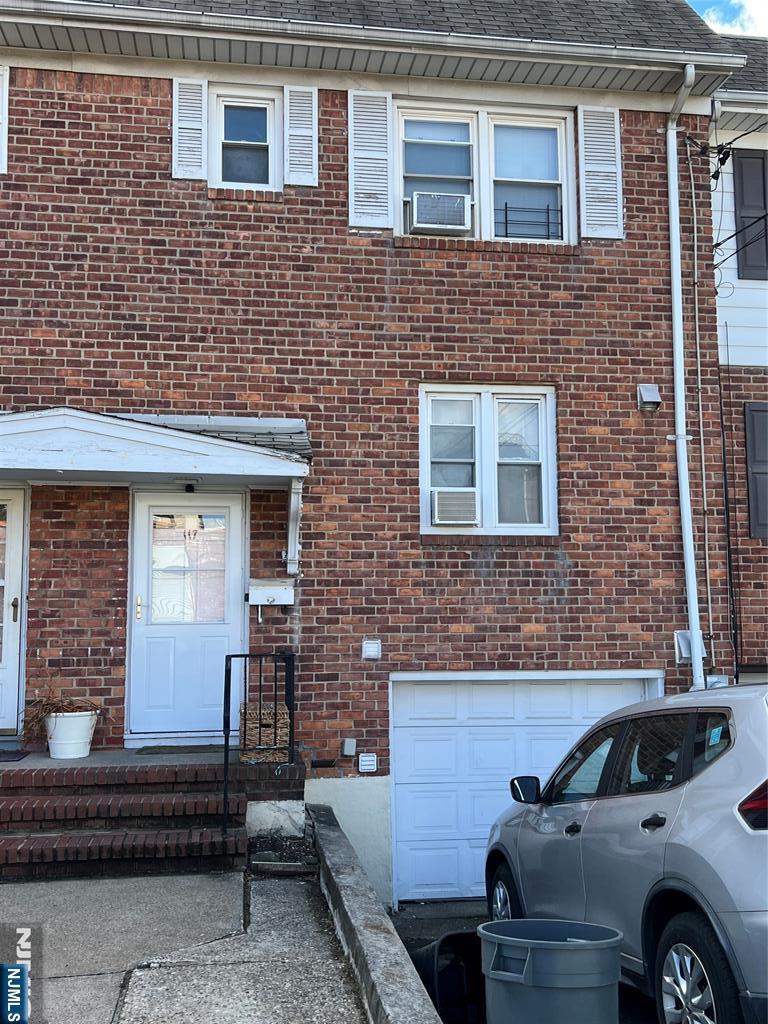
681 436
127 16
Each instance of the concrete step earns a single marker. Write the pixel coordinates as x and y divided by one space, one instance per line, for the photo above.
111 810
79 853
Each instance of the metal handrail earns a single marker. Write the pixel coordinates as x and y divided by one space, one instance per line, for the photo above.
288 660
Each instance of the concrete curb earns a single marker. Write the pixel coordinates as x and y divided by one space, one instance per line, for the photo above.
391 988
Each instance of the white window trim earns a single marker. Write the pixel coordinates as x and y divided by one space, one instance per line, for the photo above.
565 148
431 114
5 74
481 121
272 99
485 452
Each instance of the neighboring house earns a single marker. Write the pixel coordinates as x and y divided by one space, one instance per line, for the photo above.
431 245
739 210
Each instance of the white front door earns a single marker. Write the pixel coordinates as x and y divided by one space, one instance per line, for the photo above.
11 562
187 610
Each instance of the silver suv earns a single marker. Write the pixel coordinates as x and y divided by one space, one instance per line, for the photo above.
656 823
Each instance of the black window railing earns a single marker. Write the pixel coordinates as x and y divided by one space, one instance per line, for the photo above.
267 712
545 222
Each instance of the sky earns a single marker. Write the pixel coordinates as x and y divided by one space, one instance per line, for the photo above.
742 17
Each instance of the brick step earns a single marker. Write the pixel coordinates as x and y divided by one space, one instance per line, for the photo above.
257 781
112 810
120 851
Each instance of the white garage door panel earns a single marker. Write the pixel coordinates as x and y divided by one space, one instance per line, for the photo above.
448 811
455 747
439 871
433 755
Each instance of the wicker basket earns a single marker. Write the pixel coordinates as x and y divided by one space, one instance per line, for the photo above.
259 741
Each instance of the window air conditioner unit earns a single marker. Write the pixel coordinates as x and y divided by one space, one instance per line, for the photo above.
454 506
438 212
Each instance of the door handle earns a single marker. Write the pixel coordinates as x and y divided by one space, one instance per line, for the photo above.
138 607
654 821
573 828
15 610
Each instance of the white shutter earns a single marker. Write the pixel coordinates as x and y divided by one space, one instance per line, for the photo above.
4 76
300 136
602 213
190 128
370 159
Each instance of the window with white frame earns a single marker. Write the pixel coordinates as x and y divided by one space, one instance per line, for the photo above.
488 460
527 181
245 143
438 164
514 173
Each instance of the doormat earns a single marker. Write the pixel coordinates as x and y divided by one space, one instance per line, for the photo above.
12 755
193 749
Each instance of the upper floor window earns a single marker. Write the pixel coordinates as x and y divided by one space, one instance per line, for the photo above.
486 174
527 181
243 139
488 460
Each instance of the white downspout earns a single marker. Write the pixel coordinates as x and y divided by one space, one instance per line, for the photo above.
681 437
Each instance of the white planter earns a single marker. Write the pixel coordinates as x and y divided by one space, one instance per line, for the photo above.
70 733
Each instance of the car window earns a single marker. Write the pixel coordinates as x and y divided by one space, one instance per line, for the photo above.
579 777
649 755
712 738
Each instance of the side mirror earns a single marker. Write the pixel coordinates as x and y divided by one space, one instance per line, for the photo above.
526 789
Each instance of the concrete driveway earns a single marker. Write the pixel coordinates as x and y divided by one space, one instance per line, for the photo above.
173 948
420 923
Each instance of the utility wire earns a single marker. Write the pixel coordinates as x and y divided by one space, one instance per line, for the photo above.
758 238
744 134
738 231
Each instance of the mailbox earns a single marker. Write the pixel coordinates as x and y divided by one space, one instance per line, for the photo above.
270 592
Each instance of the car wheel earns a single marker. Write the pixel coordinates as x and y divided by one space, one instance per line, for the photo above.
503 904
693 983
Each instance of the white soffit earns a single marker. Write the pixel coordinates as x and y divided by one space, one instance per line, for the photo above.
181 36
741 111
75 446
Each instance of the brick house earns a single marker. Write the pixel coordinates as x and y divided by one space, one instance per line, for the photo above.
436 249
739 143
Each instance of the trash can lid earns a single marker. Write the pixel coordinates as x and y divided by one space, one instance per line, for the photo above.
547 932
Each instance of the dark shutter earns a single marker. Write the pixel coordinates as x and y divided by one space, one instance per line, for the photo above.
756 428
749 175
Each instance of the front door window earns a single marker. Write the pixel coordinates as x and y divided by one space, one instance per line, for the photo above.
188 567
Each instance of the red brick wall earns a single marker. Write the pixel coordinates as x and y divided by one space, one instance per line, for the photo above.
78 579
131 291
742 384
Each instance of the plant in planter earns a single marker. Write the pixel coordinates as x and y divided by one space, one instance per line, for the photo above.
67 723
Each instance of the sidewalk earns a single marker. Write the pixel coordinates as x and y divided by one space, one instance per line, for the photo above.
172 950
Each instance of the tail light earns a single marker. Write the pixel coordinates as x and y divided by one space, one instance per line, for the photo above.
754 810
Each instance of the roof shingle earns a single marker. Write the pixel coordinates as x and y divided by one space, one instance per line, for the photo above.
656 24
753 77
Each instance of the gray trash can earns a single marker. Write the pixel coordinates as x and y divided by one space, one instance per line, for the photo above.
553 971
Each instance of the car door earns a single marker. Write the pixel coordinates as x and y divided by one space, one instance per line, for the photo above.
549 840
623 839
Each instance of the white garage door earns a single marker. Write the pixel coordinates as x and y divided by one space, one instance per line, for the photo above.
456 746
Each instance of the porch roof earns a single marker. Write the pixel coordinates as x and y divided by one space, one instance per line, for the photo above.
64 444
